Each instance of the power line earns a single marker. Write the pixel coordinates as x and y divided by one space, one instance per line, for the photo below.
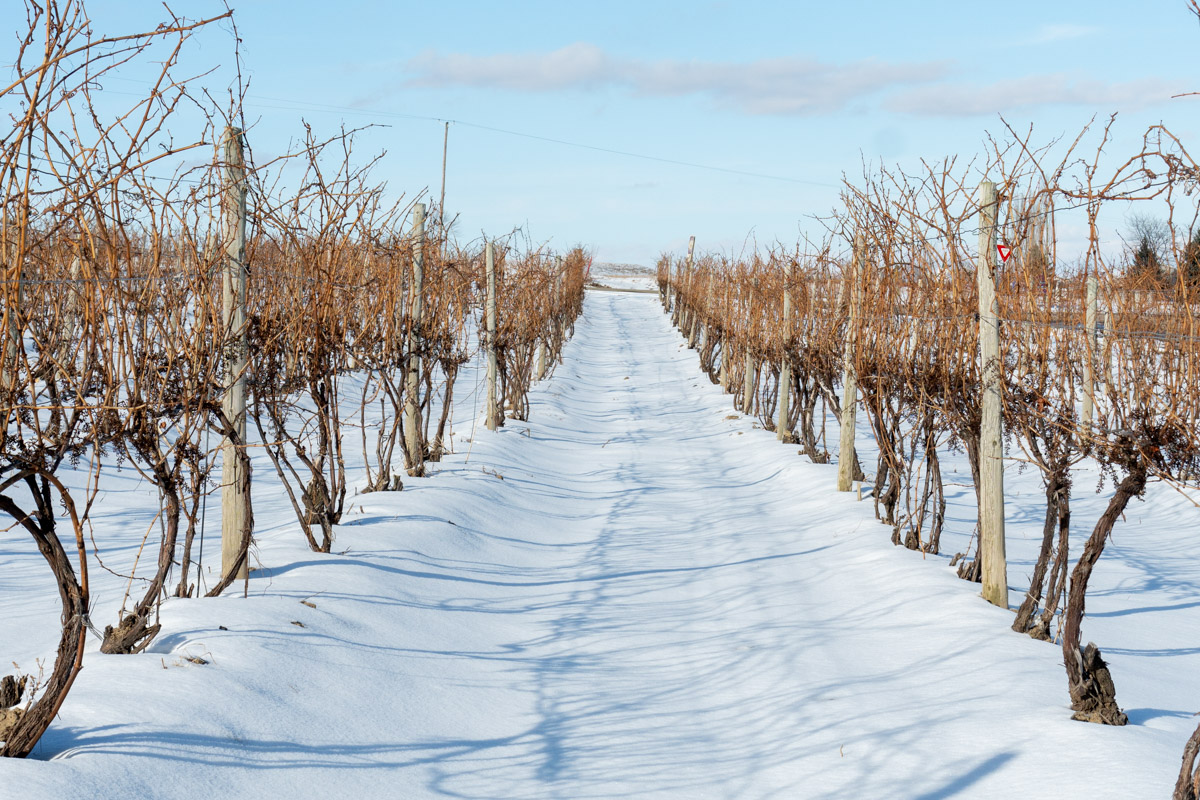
659 159
300 105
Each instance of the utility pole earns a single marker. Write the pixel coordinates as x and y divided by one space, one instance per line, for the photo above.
442 198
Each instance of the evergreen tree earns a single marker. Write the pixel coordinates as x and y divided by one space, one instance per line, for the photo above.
1189 267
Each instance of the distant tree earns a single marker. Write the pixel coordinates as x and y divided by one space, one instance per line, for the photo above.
1148 242
1189 265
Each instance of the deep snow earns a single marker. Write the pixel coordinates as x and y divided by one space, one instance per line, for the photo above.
635 594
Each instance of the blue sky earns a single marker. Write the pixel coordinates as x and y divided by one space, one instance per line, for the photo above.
797 92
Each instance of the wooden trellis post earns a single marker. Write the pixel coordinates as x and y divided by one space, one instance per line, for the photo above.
723 372
493 402
413 440
672 301
693 330
235 481
991 430
1089 357
72 313
540 363
682 320
1110 332
782 429
14 344
566 325
847 457
749 371
748 376
706 332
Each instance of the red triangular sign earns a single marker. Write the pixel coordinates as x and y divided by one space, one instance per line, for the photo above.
1005 251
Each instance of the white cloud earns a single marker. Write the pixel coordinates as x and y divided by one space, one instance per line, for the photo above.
1049 34
948 100
766 86
795 85
576 66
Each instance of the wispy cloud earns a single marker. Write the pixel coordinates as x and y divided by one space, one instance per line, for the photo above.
766 86
949 100
796 86
1050 34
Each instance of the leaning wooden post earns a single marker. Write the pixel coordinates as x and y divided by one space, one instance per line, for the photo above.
493 402
991 430
1089 357
847 456
414 446
235 481
782 430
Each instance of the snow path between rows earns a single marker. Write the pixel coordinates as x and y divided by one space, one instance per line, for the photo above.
631 595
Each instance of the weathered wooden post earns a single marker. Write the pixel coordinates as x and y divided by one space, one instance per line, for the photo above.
693 331
709 296
414 446
676 290
847 456
686 285
566 324
723 372
71 314
493 402
1110 332
235 480
693 334
1089 357
669 301
991 430
14 343
749 373
749 368
782 425
541 360
540 368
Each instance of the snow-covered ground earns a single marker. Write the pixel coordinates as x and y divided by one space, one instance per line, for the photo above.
637 593
622 276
